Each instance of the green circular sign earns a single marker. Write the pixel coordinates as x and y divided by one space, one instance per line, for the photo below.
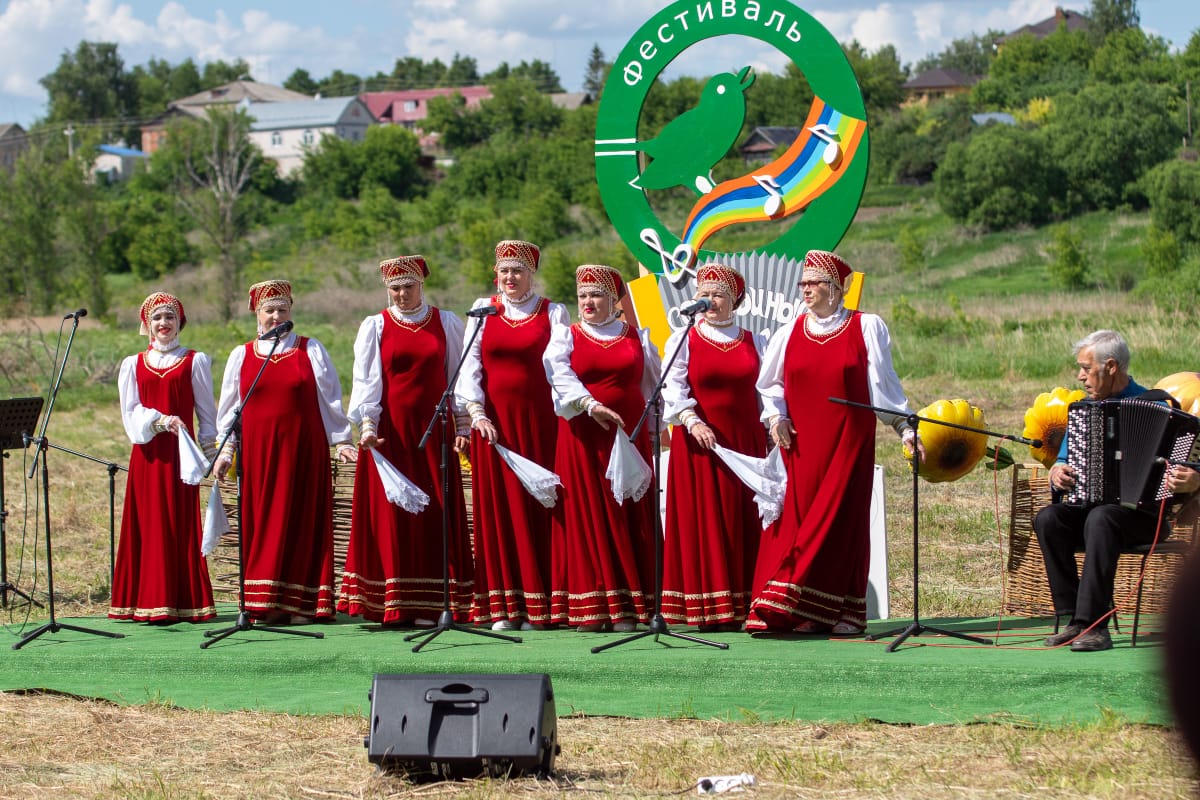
821 177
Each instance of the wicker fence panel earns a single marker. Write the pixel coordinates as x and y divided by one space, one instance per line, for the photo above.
223 563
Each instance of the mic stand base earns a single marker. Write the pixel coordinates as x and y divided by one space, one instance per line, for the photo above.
246 623
915 628
446 623
54 627
658 627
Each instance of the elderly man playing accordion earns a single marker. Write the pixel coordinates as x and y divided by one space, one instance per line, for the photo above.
1100 530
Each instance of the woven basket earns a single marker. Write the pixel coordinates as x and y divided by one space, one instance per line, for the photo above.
1027 590
223 563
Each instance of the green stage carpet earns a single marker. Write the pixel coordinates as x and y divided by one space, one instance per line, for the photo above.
929 679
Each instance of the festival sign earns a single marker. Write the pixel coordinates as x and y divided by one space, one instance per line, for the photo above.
808 196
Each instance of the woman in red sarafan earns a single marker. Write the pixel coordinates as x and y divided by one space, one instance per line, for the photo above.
403 358
504 388
811 574
289 423
602 371
712 525
160 575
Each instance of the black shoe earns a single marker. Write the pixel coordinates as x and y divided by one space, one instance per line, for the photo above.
1065 635
1092 642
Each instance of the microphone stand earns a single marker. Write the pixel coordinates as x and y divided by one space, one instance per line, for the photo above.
43 446
658 625
244 621
916 628
442 411
112 504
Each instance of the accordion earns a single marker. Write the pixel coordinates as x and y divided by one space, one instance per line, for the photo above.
1115 447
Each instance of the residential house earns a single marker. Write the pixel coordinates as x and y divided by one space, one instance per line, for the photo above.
762 144
934 84
1072 20
410 107
13 142
285 131
226 95
116 163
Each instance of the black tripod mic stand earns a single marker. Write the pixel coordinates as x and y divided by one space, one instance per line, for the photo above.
43 446
658 624
916 627
442 412
244 621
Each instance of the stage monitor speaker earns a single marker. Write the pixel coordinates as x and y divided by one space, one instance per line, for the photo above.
453 726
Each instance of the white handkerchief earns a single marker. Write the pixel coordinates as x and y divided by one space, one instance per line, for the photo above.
536 479
765 476
192 463
628 472
215 522
400 490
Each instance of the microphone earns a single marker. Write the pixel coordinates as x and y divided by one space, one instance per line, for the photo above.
483 311
695 307
77 314
279 330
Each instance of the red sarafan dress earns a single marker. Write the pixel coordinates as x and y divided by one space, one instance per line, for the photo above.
813 562
287 488
712 522
603 551
160 575
512 529
393 570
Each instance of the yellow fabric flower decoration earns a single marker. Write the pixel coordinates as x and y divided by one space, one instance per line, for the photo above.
1184 387
1047 421
950 453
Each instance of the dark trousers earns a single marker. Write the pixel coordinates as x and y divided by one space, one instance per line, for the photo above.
1100 532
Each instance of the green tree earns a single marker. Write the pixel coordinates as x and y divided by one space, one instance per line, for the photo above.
880 76
158 83
1000 178
971 55
30 197
537 72
1112 16
1131 55
518 108
1172 188
596 72
458 126
217 73
301 81
779 100
1104 138
391 159
463 71
1068 266
211 163
1027 67
91 84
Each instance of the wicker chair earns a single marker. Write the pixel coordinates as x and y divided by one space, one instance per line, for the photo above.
1143 573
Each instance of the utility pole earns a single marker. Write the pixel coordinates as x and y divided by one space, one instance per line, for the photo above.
69 132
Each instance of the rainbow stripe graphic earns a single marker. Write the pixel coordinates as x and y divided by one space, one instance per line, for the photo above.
787 185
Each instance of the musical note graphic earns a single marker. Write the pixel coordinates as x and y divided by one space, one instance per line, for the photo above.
773 205
833 151
677 264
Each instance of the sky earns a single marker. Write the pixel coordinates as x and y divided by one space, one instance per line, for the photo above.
367 36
